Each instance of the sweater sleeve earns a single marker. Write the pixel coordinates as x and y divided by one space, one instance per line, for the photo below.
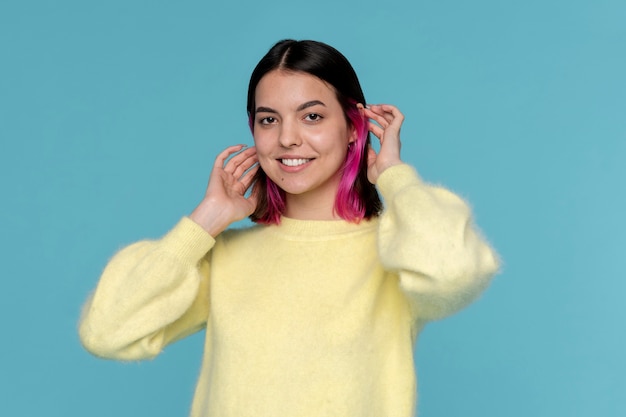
427 236
150 294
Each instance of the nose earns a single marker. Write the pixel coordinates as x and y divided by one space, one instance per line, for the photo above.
289 135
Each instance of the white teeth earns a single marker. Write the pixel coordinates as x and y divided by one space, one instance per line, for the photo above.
294 162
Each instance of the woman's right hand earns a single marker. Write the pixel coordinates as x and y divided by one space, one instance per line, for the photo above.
224 201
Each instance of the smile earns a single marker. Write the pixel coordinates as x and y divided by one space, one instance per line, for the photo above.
294 162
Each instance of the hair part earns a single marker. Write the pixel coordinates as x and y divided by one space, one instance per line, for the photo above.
357 198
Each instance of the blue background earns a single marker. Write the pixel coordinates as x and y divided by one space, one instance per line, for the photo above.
111 114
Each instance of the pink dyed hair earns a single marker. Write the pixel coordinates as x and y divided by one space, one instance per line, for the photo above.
349 205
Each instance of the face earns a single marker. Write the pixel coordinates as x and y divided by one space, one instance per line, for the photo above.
301 134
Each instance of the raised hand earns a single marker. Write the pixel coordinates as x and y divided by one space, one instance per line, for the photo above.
387 129
224 201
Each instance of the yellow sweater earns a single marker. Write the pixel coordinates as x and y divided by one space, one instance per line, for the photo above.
307 318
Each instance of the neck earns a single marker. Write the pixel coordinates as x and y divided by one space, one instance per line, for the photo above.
306 207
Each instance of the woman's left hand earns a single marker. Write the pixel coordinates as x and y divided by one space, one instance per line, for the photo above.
387 129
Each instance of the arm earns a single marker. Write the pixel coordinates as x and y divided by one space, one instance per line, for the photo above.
155 292
427 235
150 294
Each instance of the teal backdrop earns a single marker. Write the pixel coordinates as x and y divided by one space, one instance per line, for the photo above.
111 114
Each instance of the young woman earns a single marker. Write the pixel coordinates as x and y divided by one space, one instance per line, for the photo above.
313 311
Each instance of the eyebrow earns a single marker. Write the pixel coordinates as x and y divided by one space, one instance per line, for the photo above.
301 107
310 104
265 110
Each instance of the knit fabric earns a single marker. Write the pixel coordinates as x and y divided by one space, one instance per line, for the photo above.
305 318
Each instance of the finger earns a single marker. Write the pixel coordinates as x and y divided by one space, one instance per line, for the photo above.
392 113
376 115
389 112
248 177
390 108
235 161
223 156
240 158
376 130
377 109
395 118
388 116
371 156
245 165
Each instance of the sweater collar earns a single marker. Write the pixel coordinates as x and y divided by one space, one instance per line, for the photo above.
321 229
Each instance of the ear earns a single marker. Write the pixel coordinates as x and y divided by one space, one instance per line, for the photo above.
354 135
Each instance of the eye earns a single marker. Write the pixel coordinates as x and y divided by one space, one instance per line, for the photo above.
313 117
267 120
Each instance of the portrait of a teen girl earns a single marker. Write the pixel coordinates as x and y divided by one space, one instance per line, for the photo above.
313 310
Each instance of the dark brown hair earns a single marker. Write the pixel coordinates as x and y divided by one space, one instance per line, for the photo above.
356 197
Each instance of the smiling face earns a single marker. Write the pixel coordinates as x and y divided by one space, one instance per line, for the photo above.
301 137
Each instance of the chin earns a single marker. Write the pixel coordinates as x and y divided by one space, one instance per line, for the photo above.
293 189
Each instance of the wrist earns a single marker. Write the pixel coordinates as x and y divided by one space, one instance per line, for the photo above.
385 166
211 218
